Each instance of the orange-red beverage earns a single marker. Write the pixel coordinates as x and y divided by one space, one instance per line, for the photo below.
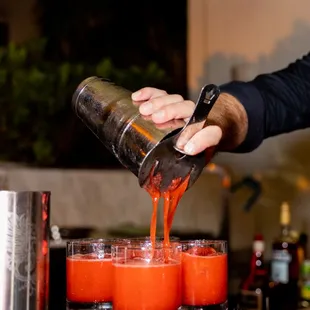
147 286
89 279
204 276
147 278
89 273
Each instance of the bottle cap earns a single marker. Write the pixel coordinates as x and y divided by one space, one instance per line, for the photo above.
285 216
258 246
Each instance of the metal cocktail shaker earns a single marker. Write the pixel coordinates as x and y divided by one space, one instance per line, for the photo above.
24 250
135 140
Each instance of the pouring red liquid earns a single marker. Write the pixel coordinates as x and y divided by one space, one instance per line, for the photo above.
171 197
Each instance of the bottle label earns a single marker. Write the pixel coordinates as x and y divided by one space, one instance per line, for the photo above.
280 266
305 269
251 300
305 290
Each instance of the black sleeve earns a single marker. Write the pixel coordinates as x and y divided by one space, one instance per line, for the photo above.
275 103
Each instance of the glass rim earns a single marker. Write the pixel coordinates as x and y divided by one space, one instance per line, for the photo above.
90 241
203 241
157 238
146 245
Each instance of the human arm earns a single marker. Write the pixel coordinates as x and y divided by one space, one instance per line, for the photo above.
275 103
245 113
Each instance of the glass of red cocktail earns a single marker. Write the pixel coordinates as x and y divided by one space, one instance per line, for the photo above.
147 275
204 274
89 274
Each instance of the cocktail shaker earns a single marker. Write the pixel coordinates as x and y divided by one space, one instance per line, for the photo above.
24 250
135 140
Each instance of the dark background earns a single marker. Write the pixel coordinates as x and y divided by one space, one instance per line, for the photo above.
134 43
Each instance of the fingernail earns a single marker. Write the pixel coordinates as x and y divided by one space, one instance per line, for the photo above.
189 148
180 143
136 95
146 108
159 115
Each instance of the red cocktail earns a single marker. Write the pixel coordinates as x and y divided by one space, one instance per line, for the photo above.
89 273
147 277
204 273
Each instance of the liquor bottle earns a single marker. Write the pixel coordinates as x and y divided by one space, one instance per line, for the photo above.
302 242
254 288
284 290
300 248
305 285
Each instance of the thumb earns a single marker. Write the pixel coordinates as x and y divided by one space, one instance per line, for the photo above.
203 139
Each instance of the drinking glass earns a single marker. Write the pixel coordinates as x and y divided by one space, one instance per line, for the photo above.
148 240
89 274
204 275
147 276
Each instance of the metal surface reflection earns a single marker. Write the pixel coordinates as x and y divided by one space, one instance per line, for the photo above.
139 144
24 250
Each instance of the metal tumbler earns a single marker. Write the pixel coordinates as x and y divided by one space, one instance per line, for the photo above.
108 111
24 250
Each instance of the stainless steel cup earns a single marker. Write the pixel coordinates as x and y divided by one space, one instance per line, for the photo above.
24 250
108 111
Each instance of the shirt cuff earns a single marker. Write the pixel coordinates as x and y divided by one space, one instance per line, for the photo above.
250 97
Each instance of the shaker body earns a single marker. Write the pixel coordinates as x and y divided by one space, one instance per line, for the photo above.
109 112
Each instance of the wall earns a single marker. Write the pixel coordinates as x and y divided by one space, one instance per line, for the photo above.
21 19
222 34
112 198
255 37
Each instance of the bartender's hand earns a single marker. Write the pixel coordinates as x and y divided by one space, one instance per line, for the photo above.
227 121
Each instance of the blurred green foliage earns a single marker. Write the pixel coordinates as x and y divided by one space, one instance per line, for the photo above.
36 120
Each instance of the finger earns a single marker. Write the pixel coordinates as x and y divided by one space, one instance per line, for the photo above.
147 93
173 124
187 134
179 110
155 104
205 138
